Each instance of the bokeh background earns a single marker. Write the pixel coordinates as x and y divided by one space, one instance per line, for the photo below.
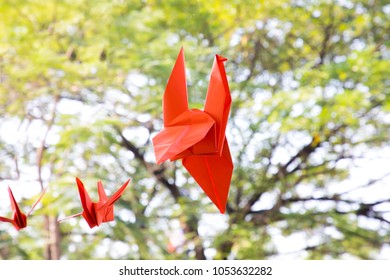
81 84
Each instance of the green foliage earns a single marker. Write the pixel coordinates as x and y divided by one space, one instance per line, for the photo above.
81 85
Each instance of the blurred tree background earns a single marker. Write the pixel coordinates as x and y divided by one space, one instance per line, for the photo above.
81 84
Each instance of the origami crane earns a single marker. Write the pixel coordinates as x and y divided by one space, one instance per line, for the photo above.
198 137
99 212
19 219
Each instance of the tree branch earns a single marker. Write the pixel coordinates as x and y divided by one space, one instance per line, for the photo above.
53 243
157 173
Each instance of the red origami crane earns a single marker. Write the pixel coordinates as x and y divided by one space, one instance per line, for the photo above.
19 219
99 212
198 137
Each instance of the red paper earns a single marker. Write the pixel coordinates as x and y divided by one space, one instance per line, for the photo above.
99 212
195 136
19 219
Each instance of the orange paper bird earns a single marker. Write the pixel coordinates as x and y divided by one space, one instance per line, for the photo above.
198 137
19 219
99 212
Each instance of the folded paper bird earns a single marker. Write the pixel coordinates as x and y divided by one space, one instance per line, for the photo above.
19 219
198 137
99 212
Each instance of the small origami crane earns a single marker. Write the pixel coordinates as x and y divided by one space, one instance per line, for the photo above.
99 212
198 137
19 219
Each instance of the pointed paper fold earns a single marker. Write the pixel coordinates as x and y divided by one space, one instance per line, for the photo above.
175 104
19 219
213 174
198 137
96 213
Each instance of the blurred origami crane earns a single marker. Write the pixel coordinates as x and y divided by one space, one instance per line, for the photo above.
198 137
99 212
19 219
